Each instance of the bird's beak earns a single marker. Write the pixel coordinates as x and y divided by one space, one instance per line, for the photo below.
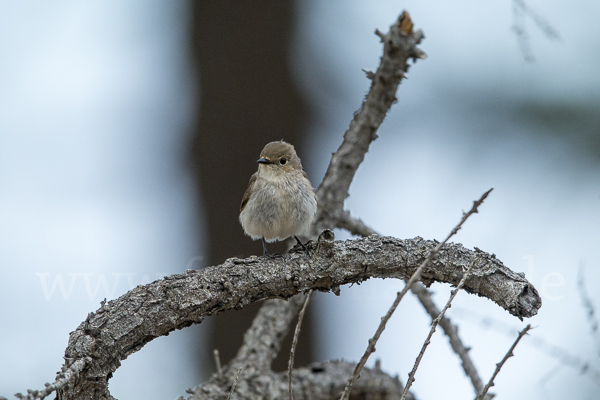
264 161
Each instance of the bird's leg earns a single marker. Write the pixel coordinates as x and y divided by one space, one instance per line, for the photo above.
266 253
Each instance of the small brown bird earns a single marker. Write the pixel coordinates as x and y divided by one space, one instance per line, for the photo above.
280 202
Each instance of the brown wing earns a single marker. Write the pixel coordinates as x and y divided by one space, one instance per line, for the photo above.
248 191
306 176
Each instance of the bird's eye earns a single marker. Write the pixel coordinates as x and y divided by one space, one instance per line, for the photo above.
283 161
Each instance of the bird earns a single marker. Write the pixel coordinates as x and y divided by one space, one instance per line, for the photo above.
280 201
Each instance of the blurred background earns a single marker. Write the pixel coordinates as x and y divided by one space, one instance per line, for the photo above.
129 130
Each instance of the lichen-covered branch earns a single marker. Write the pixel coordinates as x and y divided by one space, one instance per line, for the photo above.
123 326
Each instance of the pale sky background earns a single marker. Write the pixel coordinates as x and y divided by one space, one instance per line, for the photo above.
94 105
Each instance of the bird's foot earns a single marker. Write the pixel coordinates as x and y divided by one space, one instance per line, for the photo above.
273 256
303 245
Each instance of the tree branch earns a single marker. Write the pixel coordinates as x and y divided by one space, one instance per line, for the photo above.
509 354
295 342
451 331
436 321
409 283
334 189
318 381
123 326
262 341
400 45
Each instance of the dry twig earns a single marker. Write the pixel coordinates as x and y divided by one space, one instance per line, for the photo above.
521 10
588 305
234 383
451 330
357 227
295 341
415 276
399 47
501 363
434 324
564 358
66 376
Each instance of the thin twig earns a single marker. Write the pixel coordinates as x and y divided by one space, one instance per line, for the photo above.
519 19
234 383
436 321
295 342
588 306
583 366
520 13
357 227
218 363
416 275
451 330
65 376
542 24
263 340
501 363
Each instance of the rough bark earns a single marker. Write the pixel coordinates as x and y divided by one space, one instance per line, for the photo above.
257 381
123 326
318 381
399 46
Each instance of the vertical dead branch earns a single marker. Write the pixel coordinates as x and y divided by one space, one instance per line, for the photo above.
262 341
400 45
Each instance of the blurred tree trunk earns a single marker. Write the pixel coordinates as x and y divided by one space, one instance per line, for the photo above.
248 98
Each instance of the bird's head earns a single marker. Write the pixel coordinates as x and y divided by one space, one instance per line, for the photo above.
279 157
